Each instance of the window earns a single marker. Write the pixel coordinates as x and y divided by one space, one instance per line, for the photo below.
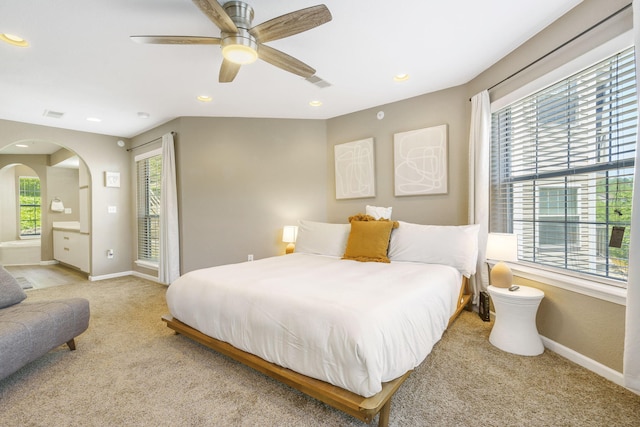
149 177
558 218
29 206
562 165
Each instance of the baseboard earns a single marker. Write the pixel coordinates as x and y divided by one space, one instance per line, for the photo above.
50 262
582 360
110 276
145 276
122 274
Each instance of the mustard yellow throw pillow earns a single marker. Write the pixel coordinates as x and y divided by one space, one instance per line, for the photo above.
369 239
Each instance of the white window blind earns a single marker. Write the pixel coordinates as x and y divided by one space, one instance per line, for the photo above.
562 163
149 177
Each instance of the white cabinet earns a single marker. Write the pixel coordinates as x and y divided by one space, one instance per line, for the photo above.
72 248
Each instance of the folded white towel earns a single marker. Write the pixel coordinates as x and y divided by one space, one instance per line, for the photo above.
57 206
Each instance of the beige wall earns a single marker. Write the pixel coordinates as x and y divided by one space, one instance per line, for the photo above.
240 181
587 325
433 109
8 211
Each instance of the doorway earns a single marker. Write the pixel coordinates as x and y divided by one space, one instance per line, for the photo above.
64 199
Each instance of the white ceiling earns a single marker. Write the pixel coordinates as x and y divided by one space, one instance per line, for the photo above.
81 61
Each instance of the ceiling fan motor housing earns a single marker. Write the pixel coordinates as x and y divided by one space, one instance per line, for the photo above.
242 15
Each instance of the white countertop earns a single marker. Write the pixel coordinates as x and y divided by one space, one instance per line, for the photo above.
67 225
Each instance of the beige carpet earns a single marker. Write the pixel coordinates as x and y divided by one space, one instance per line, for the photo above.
130 370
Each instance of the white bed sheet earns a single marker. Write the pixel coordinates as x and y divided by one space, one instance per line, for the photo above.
349 323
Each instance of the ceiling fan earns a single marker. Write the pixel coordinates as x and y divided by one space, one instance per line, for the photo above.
243 44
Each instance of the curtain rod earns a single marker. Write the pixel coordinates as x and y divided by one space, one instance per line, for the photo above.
148 142
561 46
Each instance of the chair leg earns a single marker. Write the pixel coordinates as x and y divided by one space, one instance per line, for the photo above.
72 344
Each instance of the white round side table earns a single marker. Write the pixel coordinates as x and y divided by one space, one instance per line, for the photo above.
515 328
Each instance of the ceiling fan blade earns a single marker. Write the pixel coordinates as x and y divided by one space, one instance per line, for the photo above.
291 23
217 15
284 61
175 39
228 71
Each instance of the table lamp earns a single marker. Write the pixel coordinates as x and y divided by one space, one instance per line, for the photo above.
289 235
502 247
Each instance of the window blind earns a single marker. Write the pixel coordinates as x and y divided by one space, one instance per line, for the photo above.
149 177
562 163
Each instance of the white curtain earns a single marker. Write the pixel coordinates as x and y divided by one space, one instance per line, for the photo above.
169 268
632 321
479 144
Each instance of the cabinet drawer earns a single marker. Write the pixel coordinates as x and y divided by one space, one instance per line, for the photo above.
71 248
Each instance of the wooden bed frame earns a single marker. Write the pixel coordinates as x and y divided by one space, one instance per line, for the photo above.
362 408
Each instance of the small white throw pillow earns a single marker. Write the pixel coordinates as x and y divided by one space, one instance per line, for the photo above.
379 212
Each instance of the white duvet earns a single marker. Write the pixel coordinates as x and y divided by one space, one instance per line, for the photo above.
352 324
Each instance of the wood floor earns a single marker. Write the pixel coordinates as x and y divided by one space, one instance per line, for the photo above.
45 276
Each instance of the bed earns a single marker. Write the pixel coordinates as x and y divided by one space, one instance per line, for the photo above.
343 331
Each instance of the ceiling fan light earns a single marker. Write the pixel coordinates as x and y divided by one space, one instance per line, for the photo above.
239 54
239 48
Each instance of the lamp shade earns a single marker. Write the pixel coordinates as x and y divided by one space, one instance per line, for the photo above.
289 233
502 247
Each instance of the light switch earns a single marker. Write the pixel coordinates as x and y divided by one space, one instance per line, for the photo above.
112 209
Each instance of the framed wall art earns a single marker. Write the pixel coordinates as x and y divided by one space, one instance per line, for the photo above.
112 179
420 161
355 177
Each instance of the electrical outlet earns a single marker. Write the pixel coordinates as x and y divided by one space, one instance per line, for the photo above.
250 257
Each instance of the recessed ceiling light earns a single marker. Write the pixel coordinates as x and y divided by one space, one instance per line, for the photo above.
93 119
401 77
204 98
14 40
22 145
315 103
143 115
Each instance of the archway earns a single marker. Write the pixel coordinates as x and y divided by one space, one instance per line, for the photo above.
65 194
20 215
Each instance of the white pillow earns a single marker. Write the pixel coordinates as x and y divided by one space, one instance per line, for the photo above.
322 238
379 212
454 245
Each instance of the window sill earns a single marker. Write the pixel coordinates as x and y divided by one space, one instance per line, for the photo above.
576 284
147 264
30 237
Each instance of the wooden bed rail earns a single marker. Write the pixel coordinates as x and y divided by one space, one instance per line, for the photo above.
362 408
